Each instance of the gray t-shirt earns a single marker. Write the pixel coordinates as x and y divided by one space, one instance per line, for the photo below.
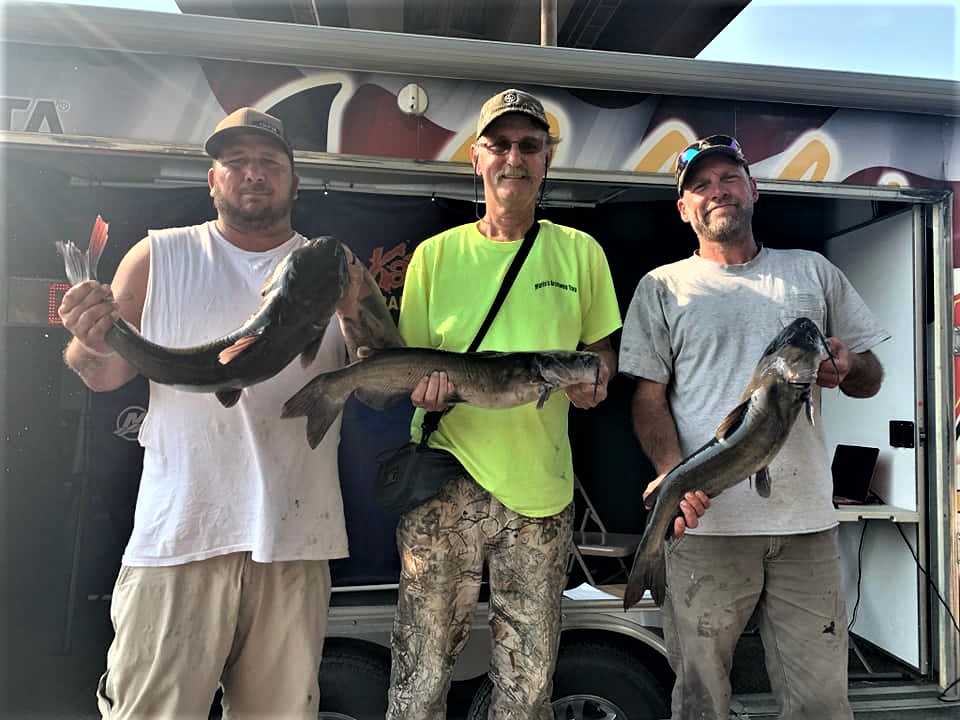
701 327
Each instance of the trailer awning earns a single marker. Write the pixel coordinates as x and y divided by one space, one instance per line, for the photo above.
681 28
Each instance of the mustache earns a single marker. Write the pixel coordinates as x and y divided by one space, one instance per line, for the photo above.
513 173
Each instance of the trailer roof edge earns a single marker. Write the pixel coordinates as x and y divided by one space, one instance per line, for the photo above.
201 36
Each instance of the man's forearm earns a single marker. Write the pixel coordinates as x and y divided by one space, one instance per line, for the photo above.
99 372
864 377
656 432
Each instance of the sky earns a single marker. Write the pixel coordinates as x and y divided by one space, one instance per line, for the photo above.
917 38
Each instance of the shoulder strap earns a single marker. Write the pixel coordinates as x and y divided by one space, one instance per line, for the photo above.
431 420
507 283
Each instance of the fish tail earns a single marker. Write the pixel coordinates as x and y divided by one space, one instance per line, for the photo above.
648 573
319 406
98 241
82 265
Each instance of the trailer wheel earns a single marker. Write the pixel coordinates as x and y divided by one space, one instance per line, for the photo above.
353 683
595 681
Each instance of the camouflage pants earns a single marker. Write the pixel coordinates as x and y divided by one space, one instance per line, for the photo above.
443 544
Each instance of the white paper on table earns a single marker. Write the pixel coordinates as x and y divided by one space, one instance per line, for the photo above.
586 591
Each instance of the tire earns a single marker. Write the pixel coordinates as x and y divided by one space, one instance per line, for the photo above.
595 681
354 680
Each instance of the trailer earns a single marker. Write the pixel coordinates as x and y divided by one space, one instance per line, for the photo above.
105 111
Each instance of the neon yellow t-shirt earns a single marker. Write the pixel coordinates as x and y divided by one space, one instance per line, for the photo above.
562 297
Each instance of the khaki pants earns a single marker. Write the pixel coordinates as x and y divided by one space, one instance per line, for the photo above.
443 544
257 628
713 585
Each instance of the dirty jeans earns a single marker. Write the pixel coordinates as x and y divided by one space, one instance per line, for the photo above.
713 585
181 630
443 544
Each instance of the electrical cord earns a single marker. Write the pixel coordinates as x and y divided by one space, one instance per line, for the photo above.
856 605
943 695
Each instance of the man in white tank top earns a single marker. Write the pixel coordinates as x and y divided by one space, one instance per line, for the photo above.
225 579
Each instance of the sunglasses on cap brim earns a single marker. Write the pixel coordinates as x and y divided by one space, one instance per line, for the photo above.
691 151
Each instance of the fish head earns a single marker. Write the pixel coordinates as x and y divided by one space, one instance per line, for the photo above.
802 333
316 274
795 354
561 368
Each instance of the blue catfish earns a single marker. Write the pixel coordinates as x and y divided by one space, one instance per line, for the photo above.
745 443
486 379
298 301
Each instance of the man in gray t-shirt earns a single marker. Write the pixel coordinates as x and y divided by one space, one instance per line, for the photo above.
692 336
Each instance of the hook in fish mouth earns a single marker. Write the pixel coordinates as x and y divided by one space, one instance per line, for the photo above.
826 347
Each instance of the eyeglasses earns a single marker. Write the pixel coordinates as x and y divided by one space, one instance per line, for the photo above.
526 146
699 146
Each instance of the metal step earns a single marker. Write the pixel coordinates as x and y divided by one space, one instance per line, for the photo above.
909 701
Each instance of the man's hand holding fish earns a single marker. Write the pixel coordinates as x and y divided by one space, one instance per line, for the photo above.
856 374
90 310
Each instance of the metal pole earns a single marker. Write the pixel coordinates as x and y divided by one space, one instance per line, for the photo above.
548 23
943 494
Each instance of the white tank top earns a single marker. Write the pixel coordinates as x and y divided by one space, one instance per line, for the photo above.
220 480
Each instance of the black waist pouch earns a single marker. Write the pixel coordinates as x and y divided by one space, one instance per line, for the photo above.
411 475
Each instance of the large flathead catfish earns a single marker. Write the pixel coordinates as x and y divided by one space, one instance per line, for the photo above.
298 302
483 379
746 441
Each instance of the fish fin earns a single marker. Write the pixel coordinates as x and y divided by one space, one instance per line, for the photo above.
315 402
733 420
364 352
808 406
545 390
647 574
378 400
74 262
761 481
231 353
98 241
650 500
309 353
228 398
82 265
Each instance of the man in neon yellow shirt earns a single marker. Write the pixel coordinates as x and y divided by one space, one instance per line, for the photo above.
512 507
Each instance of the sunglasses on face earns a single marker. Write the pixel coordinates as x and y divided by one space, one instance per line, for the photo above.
691 151
526 146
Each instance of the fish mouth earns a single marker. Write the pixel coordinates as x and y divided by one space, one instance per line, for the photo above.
809 337
805 379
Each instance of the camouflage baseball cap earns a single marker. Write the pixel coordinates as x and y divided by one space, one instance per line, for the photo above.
511 101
